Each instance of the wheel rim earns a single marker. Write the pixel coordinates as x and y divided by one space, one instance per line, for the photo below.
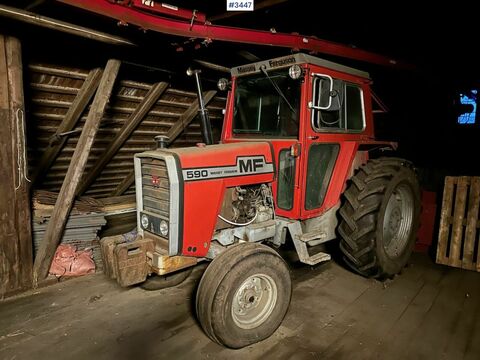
254 301
398 220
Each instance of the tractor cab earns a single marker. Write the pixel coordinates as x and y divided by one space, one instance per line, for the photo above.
314 113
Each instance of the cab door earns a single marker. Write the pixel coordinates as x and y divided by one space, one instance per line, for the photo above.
335 125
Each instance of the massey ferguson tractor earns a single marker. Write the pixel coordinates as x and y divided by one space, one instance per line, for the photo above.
297 162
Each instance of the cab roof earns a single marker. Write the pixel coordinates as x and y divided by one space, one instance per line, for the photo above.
287 61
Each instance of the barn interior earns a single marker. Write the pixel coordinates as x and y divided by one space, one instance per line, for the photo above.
55 56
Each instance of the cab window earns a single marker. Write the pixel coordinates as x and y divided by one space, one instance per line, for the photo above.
336 105
260 110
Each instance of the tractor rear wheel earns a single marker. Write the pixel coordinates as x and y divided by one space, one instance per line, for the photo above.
380 217
243 295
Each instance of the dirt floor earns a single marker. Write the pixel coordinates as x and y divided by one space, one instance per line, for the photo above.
427 312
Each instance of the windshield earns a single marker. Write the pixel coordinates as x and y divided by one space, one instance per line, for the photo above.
260 109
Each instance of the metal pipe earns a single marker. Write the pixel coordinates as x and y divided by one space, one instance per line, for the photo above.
213 66
49 23
202 110
162 141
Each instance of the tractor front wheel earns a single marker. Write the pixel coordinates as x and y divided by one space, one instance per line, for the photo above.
380 217
243 295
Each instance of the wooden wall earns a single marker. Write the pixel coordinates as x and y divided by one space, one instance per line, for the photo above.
15 228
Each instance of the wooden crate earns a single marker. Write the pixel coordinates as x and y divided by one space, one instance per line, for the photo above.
458 238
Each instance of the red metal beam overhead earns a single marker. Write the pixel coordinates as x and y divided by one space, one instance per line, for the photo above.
192 29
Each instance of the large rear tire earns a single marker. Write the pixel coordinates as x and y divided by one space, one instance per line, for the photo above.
380 217
243 295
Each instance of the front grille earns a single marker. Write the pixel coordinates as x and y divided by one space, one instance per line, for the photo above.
155 187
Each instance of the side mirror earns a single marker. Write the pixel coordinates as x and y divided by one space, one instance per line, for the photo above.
322 91
223 84
326 93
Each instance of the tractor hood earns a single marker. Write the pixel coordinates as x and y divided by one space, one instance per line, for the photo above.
187 186
222 161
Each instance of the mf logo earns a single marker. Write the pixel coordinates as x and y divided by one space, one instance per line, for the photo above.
250 165
155 181
245 165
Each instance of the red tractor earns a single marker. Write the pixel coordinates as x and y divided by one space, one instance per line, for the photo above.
296 163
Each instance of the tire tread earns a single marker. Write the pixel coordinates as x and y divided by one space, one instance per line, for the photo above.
359 213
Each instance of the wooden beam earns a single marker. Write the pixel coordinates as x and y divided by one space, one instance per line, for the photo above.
187 117
124 133
210 65
68 123
15 229
124 185
58 25
172 134
63 205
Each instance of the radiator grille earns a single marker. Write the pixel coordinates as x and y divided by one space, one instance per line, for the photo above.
155 187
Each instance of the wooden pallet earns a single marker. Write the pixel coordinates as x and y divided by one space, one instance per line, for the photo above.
458 238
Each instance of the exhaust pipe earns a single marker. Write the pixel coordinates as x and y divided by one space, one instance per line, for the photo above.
204 119
162 141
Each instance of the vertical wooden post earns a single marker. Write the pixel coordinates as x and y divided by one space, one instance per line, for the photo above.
445 220
457 224
470 235
63 205
15 217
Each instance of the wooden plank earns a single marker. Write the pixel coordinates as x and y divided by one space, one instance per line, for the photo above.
475 237
15 228
472 348
55 71
457 227
68 123
125 184
172 134
119 200
187 117
432 336
465 315
354 327
402 334
444 224
124 133
471 230
74 174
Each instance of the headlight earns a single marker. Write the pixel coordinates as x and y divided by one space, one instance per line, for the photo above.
222 84
163 228
144 221
295 72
